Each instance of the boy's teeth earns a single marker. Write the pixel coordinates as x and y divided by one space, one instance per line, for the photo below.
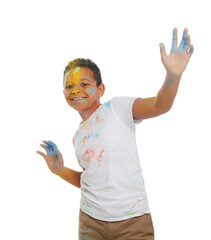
77 98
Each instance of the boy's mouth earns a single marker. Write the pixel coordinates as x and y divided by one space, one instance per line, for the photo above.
77 99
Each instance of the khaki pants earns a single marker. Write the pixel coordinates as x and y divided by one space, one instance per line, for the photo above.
136 228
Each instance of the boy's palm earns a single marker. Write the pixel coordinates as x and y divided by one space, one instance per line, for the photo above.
177 60
53 157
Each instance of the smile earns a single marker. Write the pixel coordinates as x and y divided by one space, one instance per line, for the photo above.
78 99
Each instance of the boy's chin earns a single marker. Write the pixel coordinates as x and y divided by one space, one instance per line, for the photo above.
78 107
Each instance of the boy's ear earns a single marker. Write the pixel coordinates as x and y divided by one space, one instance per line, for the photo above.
101 90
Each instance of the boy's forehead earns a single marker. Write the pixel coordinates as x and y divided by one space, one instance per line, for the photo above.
78 73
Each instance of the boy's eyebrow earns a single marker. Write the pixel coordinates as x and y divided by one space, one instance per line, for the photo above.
85 79
80 79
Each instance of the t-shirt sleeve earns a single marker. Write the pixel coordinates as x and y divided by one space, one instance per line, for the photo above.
123 109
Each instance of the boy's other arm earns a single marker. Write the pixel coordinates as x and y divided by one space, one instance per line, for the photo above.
55 163
175 63
70 176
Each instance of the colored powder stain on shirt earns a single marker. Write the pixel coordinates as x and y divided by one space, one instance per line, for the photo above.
108 190
99 159
87 137
96 135
84 123
80 139
87 204
90 152
84 139
77 69
108 104
87 151
98 119
130 213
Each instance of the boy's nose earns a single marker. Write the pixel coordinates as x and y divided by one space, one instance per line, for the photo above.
75 90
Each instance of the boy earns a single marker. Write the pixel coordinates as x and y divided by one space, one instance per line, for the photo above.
113 197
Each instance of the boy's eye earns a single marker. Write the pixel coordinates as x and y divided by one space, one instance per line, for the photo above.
81 84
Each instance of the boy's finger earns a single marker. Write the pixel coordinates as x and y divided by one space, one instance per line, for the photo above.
191 50
53 145
162 50
47 148
58 155
183 38
51 148
174 39
48 144
41 153
187 42
55 148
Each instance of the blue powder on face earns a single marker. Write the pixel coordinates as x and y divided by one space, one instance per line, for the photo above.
92 90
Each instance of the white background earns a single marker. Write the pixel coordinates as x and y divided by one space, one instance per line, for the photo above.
38 39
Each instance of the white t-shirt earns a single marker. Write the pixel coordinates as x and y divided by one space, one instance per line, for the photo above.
112 185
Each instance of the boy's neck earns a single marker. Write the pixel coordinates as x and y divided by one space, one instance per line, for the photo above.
87 113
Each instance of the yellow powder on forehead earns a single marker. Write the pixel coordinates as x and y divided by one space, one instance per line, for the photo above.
76 75
73 76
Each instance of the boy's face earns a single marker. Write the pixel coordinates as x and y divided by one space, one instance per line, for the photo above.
80 83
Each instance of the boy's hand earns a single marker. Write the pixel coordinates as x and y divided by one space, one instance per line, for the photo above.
53 157
177 60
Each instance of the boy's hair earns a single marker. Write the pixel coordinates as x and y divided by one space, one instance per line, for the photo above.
81 62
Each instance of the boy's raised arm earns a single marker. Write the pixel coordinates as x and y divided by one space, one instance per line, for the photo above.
175 64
